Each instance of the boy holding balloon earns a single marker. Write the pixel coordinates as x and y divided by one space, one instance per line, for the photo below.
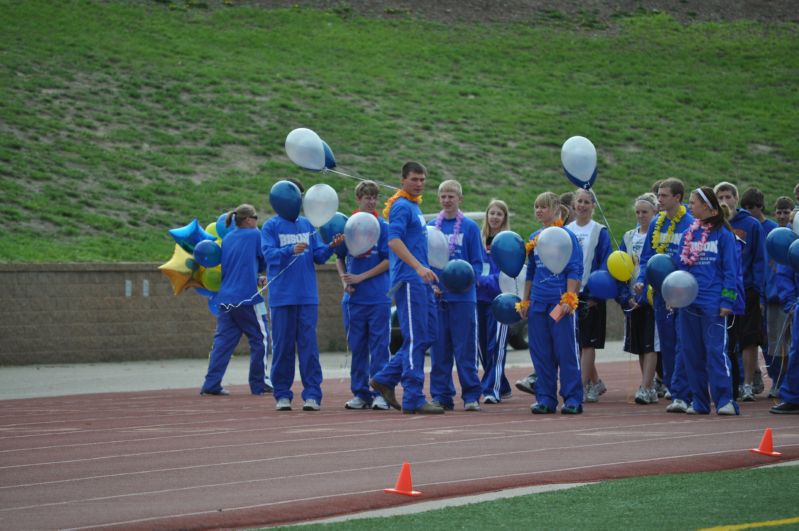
366 307
291 246
411 279
457 307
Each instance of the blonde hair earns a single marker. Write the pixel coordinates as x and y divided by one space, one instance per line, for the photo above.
725 186
500 204
551 200
451 185
241 213
648 197
366 188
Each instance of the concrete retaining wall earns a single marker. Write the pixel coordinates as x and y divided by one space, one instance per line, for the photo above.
69 313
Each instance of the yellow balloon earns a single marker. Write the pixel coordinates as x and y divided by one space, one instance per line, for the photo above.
180 270
649 295
211 229
620 266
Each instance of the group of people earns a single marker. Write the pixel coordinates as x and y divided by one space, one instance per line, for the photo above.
703 355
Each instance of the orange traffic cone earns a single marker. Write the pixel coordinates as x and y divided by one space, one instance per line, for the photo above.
404 483
766 447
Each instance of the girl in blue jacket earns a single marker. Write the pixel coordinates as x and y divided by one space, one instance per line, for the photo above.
708 251
787 281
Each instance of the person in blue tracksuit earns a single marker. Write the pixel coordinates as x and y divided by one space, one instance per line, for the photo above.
663 237
291 247
411 280
594 240
787 280
366 307
708 250
457 312
492 336
240 303
747 331
553 341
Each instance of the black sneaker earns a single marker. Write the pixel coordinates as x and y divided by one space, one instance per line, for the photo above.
221 392
785 408
445 407
540 409
571 410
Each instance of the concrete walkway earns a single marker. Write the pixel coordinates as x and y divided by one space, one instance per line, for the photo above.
32 381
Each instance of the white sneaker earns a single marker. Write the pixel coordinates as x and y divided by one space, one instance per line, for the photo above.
653 395
747 394
284 404
642 396
600 387
728 409
311 405
591 392
691 411
471 406
380 403
489 399
678 406
356 402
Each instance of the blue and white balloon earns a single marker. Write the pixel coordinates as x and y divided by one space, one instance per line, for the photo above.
578 156
306 149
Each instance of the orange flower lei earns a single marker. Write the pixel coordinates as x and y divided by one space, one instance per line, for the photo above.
529 246
522 305
571 299
397 195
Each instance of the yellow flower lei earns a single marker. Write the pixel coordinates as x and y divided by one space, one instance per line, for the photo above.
529 245
660 247
400 193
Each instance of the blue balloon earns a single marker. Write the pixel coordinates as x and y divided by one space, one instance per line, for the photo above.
602 285
208 253
330 159
190 235
221 229
286 200
458 276
657 269
793 255
329 230
507 250
778 243
504 308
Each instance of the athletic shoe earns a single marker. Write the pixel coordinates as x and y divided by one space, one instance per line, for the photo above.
387 392
774 392
471 406
284 404
221 392
268 387
728 409
540 409
785 408
426 409
747 394
667 395
507 395
653 395
692 411
490 400
591 393
757 382
571 410
677 406
311 405
642 396
601 389
380 403
445 407
356 402
661 389
527 384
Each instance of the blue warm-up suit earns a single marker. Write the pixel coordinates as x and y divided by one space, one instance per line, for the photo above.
788 287
702 330
553 344
492 336
666 320
457 321
241 312
367 317
416 307
775 361
294 303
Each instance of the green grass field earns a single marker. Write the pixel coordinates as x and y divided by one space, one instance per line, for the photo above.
122 120
685 501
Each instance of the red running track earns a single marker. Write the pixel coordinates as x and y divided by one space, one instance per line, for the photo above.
173 459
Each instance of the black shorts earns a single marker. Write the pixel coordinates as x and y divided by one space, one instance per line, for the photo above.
639 330
591 323
747 329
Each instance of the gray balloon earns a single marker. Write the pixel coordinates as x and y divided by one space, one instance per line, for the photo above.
679 289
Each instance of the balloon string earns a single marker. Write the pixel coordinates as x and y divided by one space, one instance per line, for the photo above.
602 212
360 179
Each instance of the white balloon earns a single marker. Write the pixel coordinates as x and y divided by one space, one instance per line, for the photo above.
578 156
361 233
511 285
679 289
320 204
305 149
437 248
554 247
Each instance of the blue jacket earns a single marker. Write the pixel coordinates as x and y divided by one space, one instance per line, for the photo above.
406 222
242 260
673 247
373 290
547 287
753 259
469 248
787 281
292 282
488 284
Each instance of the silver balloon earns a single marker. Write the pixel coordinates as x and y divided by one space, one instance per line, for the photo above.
305 149
513 285
320 204
361 233
679 289
554 247
437 248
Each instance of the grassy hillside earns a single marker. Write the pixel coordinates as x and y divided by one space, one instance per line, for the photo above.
120 121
